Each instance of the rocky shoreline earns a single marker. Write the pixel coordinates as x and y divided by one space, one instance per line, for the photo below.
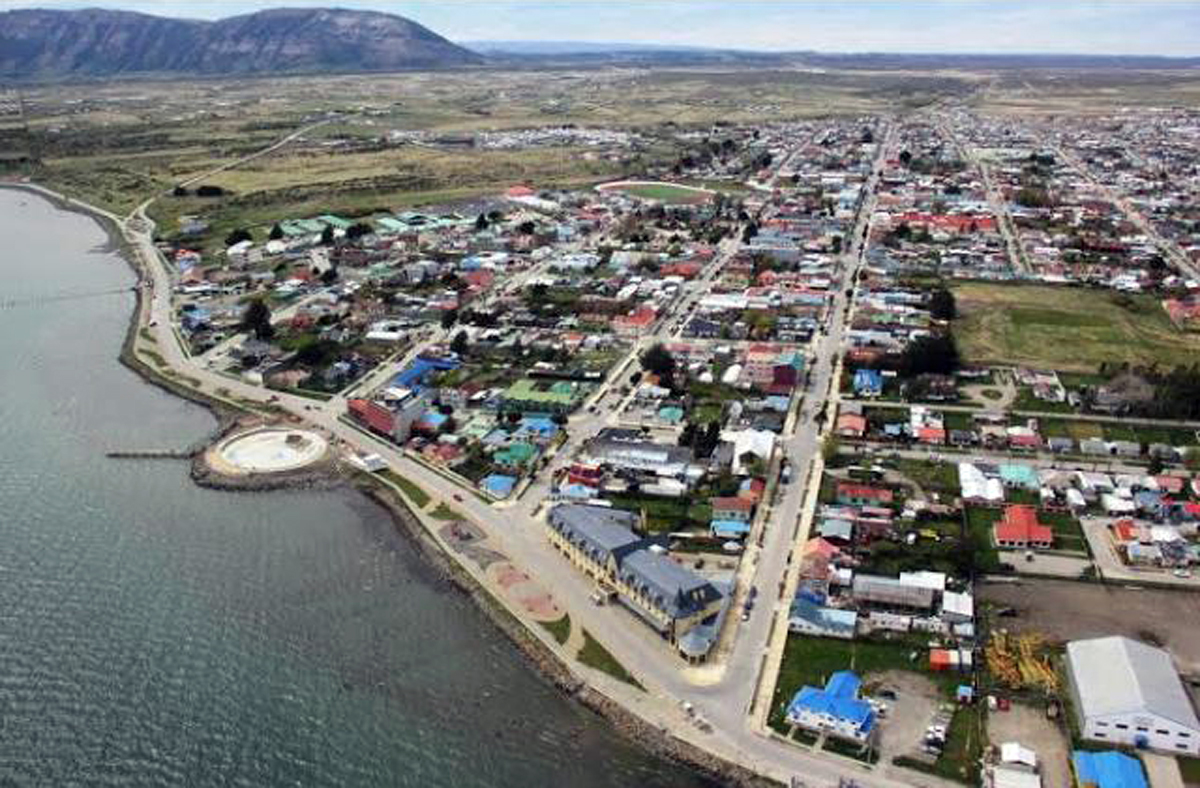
648 737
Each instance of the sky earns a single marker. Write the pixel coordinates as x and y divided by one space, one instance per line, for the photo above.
1127 27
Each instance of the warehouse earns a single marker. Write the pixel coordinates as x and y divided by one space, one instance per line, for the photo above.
1126 692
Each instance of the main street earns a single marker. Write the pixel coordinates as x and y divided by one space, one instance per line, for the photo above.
723 700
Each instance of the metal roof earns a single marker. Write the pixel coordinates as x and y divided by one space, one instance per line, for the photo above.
1116 675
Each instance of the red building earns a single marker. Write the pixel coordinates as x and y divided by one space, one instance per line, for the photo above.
373 416
1019 528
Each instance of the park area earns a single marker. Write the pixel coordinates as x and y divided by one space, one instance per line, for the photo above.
1065 328
667 193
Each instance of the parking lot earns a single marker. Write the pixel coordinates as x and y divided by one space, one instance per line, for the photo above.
1028 726
908 715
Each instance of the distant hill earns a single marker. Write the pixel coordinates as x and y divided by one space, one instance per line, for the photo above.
93 42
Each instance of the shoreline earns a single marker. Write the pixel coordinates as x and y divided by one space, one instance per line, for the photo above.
548 665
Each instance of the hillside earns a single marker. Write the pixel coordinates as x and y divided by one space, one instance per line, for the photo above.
52 44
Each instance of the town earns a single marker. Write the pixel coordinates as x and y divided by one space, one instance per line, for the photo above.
856 447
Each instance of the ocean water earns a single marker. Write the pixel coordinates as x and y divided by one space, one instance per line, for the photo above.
156 633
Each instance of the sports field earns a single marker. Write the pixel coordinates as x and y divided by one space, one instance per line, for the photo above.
668 193
1065 328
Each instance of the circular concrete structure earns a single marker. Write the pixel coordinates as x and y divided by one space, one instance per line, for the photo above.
271 450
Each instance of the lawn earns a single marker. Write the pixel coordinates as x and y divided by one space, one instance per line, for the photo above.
444 512
559 629
666 193
940 477
1065 328
666 514
411 491
979 526
596 656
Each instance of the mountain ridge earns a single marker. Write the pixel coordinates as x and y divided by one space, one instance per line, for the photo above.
52 43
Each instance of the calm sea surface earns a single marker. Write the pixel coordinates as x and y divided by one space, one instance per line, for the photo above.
156 633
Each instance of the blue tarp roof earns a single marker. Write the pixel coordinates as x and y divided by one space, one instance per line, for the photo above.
412 376
868 379
730 528
498 485
1108 769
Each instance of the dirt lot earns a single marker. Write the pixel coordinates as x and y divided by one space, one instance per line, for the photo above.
1029 726
916 699
1064 610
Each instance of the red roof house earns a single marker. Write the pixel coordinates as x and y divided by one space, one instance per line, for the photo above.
1019 528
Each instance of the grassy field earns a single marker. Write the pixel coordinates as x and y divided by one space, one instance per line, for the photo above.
411 491
665 193
596 656
1062 328
559 629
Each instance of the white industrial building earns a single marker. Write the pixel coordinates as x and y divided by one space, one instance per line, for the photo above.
1128 693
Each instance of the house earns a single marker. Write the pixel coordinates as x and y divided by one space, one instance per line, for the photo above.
1019 529
809 618
863 495
1108 769
835 710
868 382
890 592
1128 693
738 509
851 425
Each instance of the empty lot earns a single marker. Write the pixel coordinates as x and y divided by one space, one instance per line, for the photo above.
1066 610
1066 328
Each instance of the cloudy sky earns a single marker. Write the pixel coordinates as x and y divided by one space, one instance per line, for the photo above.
1047 26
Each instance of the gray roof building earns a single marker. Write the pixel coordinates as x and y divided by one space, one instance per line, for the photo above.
598 531
1129 692
668 587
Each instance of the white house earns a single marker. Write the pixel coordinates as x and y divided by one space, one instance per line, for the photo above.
1128 693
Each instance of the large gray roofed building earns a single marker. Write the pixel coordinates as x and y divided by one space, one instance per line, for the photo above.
1128 692
673 589
596 530
1116 675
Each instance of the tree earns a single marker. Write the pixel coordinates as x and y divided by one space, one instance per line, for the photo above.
210 191
449 318
327 235
829 448
257 320
238 236
749 233
942 305
659 361
459 344
358 230
905 157
933 354
180 191
329 275
481 223
276 233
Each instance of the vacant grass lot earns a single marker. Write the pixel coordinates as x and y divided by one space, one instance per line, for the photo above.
1065 328
665 193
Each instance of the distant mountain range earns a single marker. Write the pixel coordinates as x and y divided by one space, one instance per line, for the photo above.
54 44
94 42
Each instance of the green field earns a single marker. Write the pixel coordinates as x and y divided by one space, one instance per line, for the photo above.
665 193
1065 328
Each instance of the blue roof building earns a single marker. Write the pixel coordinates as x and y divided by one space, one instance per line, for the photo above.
1110 769
868 382
498 485
729 529
836 710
